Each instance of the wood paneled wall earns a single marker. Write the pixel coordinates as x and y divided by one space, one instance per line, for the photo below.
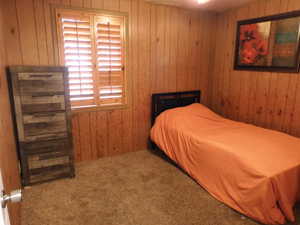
170 50
270 100
8 156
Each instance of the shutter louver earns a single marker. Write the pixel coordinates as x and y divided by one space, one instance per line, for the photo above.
77 38
110 59
93 48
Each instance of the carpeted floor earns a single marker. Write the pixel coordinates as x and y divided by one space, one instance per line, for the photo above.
138 188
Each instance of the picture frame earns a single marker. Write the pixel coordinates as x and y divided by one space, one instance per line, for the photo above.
269 43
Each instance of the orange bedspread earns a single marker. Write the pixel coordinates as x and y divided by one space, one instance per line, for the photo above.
253 170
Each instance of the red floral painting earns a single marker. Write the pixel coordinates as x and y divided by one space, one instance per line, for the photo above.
254 44
269 44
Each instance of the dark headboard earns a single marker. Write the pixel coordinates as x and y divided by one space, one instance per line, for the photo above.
164 101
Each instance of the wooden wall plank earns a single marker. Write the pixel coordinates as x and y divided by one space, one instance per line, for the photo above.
84 124
183 32
27 29
98 4
202 24
280 100
160 47
228 55
206 37
260 111
76 3
295 119
49 33
199 27
68 2
87 4
293 5
127 128
134 58
142 111
125 6
41 32
212 42
173 49
113 5
166 50
288 112
153 53
93 135
216 74
76 138
220 102
270 106
186 66
12 34
102 134
115 133
192 55
53 56
234 81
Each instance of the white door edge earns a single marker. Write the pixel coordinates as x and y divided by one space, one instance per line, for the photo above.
4 215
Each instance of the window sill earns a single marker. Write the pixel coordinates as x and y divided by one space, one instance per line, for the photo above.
98 108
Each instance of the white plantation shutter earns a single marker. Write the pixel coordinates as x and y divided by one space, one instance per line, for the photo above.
77 42
110 59
93 49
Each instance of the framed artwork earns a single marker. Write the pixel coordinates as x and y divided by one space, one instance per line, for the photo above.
269 43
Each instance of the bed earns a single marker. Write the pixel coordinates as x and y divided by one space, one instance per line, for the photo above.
253 170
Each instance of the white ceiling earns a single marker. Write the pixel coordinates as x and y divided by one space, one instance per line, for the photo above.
212 5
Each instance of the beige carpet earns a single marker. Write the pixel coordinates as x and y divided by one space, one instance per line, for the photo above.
138 188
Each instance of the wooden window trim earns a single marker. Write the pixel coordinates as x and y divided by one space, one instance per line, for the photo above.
60 61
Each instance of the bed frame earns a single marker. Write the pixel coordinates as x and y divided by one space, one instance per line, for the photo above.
164 101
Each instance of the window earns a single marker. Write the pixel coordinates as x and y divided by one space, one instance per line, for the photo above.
93 47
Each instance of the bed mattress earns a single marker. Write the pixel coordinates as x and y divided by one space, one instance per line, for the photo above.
255 171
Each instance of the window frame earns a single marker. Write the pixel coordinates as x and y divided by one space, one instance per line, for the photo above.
59 50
